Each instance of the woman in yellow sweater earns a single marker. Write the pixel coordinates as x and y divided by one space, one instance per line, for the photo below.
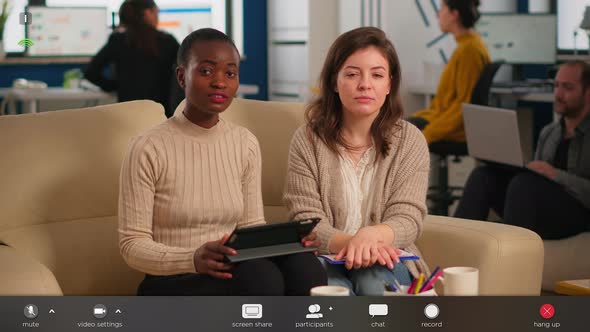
190 181
444 119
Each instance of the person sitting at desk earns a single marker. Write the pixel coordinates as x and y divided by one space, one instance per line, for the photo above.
557 204
143 57
190 181
359 167
443 120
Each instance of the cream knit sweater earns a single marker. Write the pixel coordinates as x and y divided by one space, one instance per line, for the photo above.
182 185
314 188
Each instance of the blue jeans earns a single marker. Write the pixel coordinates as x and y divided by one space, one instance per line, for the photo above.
366 282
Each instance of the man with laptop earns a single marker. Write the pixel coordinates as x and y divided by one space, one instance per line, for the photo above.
549 195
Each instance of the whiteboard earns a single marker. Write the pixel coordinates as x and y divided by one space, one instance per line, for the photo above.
569 16
66 31
520 39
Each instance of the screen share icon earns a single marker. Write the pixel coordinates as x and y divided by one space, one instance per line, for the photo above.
252 311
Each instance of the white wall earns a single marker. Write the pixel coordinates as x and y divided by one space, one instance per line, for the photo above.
348 15
300 33
323 31
500 6
540 6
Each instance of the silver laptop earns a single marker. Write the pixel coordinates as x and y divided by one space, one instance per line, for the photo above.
493 135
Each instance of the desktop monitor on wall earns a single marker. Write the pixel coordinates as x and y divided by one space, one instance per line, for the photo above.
177 17
179 22
520 39
66 31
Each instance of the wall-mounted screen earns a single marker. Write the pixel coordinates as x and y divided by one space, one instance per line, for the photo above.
58 31
520 39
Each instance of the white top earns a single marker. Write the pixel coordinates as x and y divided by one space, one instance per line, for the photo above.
357 183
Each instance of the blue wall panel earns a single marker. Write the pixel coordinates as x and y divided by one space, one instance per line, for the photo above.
254 69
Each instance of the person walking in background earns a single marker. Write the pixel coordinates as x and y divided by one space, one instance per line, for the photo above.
443 120
143 57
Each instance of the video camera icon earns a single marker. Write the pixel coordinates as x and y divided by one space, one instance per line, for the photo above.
99 311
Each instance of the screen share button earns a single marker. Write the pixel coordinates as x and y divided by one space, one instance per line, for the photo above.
250 312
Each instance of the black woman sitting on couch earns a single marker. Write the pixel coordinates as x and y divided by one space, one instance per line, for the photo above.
190 181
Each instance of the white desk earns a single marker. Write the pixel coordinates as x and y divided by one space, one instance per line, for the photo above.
247 89
32 97
429 90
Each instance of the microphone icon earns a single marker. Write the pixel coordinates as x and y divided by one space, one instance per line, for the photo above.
31 311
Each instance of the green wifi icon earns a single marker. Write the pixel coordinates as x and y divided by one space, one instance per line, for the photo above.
26 42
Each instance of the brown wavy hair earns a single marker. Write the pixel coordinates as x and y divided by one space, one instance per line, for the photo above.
324 114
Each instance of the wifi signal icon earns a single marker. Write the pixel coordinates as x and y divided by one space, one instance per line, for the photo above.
26 42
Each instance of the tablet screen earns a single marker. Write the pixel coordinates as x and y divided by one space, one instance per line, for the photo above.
270 234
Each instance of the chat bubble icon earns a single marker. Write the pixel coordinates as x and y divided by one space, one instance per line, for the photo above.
378 310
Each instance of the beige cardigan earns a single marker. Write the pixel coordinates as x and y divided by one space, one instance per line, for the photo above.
314 188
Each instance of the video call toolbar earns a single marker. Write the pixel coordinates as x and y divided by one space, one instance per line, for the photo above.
295 313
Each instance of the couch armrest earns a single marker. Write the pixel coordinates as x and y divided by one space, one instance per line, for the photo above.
23 275
509 258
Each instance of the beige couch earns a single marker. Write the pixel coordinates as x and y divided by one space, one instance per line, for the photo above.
58 203
565 260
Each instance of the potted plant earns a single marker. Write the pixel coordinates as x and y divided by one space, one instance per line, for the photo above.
4 11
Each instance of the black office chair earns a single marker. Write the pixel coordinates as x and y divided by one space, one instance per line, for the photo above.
442 195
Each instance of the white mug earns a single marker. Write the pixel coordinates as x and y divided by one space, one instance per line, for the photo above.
460 281
330 291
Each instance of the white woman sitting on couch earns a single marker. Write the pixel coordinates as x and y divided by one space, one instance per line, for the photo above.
190 181
359 167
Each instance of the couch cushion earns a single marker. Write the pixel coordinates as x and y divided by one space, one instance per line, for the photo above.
274 124
83 255
33 279
65 165
502 253
59 176
565 260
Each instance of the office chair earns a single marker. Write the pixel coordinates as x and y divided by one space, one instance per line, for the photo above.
442 195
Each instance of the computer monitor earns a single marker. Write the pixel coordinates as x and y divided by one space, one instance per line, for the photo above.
570 37
111 5
179 22
177 17
66 31
520 39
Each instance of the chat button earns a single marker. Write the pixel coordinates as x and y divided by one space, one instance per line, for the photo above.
378 310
